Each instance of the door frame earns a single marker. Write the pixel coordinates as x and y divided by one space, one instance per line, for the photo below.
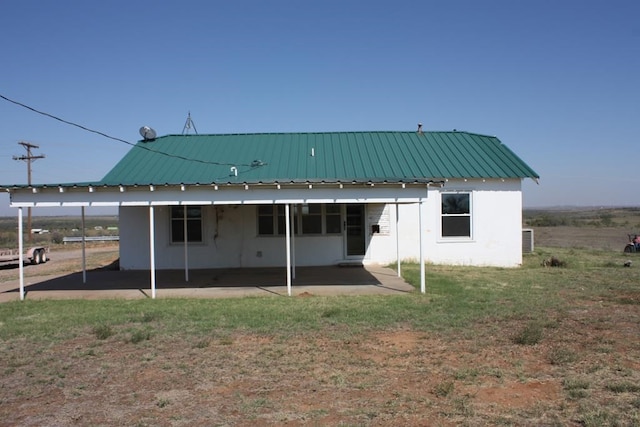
345 239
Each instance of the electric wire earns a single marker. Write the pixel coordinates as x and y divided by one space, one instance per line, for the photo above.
142 147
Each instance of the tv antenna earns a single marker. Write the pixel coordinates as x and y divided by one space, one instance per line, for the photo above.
30 157
188 125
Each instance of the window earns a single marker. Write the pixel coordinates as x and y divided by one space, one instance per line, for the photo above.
456 215
333 222
266 224
311 218
271 220
194 223
314 218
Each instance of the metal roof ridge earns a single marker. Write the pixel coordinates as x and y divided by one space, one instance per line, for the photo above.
322 133
467 132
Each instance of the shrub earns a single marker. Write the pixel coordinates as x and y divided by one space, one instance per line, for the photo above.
624 387
139 336
102 332
529 335
561 356
57 238
443 389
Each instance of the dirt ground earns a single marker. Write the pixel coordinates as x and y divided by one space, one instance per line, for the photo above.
63 260
392 377
399 377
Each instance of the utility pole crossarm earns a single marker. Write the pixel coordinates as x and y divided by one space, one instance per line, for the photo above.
29 157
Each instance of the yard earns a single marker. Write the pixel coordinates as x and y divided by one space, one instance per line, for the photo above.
528 346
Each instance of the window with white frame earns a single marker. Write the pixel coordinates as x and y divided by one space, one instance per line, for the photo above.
314 219
271 220
311 216
332 219
194 223
456 214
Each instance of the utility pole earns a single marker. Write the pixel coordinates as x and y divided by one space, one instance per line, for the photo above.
28 158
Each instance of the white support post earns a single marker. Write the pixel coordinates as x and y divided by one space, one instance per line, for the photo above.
84 247
186 246
152 252
288 245
20 254
423 286
398 239
293 246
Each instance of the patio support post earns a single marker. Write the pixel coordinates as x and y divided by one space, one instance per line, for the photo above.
186 246
288 245
84 246
423 287
293 248
20 254
398 239
152 252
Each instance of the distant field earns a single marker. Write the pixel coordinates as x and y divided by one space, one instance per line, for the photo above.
602 228
61 222
57 227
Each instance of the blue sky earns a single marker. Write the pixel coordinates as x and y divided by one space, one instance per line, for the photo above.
557 81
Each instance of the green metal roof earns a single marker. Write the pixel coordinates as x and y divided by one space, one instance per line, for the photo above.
316 157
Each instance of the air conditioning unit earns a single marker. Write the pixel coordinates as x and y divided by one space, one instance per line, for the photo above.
527 240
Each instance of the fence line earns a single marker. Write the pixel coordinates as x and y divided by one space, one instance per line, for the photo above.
75 239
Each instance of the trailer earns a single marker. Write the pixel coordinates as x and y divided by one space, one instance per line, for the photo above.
34 255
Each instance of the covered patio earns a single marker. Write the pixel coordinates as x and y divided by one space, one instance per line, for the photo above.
152 198
210 283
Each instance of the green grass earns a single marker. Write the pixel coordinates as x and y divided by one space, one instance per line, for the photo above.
459 338
456 298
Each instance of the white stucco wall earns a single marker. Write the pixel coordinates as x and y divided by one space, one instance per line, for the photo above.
496 228
229 240
230 234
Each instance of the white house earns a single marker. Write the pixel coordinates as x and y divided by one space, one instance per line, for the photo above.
254 200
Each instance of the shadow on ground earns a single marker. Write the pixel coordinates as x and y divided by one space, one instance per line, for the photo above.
370 279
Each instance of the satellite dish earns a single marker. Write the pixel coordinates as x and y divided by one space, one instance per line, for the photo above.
147 133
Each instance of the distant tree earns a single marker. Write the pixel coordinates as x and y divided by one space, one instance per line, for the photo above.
606 219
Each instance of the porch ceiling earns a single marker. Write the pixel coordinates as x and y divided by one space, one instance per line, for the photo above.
226 194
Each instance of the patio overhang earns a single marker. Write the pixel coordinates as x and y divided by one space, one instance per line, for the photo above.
88 195
287 194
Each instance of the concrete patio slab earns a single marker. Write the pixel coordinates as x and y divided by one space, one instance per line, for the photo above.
211 283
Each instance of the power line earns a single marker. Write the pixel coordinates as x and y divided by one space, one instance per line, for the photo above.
142 147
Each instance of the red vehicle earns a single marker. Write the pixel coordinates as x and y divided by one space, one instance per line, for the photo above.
633 245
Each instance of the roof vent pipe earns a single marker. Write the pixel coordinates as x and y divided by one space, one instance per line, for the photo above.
420 129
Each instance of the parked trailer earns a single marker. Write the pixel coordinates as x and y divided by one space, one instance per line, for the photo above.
34 255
